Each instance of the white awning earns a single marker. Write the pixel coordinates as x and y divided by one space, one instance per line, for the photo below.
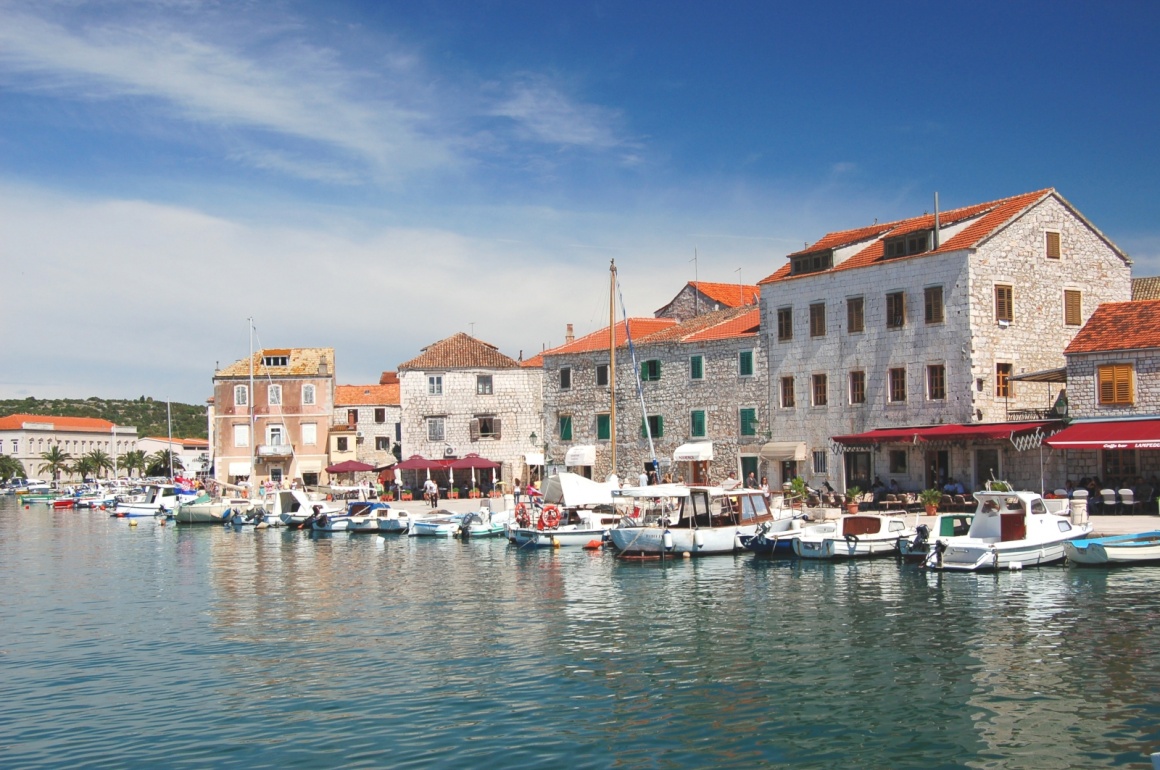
784 450
585 454
698 451
534 458
309 466
240 469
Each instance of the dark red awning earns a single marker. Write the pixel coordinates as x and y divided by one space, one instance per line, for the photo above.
1112 434
999 431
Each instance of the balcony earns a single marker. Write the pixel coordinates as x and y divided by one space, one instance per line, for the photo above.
275 450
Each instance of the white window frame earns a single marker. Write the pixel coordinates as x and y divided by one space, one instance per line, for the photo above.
442 431
276 435
435 385
241 435
274 395
308 395
244 392
309 433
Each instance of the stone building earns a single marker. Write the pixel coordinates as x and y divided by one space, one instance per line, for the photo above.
462 396
700 297
1113 392
921 323
370 418
280 431
25 437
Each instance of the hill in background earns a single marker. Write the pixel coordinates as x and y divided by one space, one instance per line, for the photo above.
145 414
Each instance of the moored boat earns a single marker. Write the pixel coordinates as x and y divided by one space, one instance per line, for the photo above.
1139 548
916 549
856 536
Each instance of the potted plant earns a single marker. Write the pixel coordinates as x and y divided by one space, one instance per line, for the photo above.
797 490
474 493
407 494
930 498
852 495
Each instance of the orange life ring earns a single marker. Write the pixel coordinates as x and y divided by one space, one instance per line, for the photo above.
522 517
550 518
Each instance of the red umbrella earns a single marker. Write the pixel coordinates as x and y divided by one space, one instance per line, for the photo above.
418 463
472 462
349 466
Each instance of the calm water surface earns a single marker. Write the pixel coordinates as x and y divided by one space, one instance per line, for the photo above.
158 646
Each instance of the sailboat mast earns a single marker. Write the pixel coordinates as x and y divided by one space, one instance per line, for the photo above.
169 422
253 463
612 360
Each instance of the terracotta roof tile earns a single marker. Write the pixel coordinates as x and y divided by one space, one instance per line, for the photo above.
1146 288
1119 326
718 324
302 362
88 424
745 325
460 351
641 328
377 395
728 294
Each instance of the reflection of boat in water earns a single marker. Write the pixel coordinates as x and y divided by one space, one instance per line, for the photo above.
1009 530
693 520
915 550
1140 548
857 536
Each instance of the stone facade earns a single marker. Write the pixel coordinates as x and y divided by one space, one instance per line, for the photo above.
25 437
374 416
698 298
965 345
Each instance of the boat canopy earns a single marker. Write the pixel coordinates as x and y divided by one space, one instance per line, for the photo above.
573 490
583 454
695 452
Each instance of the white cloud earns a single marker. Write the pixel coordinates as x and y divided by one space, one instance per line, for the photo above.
548 115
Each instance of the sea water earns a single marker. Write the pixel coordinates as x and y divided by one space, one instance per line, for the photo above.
201 646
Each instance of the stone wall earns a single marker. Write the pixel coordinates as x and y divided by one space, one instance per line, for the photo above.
368 430
1082 388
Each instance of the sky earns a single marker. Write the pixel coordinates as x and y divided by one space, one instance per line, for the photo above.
376 176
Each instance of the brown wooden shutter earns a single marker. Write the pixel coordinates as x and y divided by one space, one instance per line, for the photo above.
496 427
1072 308
474 428
1053 245
1123 383
1107 376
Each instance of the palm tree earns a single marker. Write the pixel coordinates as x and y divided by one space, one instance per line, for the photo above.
11 468
101 462
132 460
84 467
158 463
55 461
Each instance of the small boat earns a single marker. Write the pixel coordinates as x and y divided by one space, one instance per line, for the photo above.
915 550
366 516
252 517
291 507
160 500
856 536
1010 530
484 523
696 521
1140 548
573 512
440 525
208 510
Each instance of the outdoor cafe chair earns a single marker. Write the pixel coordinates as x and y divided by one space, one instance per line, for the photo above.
1127 501
1109 500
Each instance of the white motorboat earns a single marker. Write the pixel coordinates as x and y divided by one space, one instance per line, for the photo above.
1139 548
484 523
160 500
210 510
292 507
857 536
915 550
679 520
366 517
444 524
577 513
1010 530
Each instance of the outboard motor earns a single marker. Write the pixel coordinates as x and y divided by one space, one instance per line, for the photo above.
921 537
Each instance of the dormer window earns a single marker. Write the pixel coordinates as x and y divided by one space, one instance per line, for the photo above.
275 360
812 263
905 245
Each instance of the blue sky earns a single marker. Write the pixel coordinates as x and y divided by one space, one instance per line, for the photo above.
375 176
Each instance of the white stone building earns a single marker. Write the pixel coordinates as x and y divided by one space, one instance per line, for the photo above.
698 298
462 396
191 453
25 437
372 415
921 322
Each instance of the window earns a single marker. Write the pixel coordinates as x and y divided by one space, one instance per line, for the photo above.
933 301
241 435
565 378
745 363
936 382
656 426
486 426
341 443
352 417
565 427
905 245
650 371
1052 245
812 263
275 360
748 422
380 415
898 461
309 434
784 324
787 392
897 385
895 310
1119 463
696 367
1004 304
483 385
602 375
274 395
382 443
275 436
435 429
435 385
1003 387
818 319
308 395
1115 383
697 423
241 395
857 387
819 390
819 461
603 427
1072 307
855 320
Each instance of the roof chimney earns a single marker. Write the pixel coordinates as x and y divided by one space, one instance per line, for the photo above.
323 367
569 337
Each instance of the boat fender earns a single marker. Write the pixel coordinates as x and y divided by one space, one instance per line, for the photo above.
667 539
699 539
852 541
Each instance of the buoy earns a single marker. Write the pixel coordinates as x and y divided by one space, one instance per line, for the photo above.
593 545
132 523
161 522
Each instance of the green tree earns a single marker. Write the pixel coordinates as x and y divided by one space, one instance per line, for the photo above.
101 462
11 468
157 464
84 467
54 461
133 460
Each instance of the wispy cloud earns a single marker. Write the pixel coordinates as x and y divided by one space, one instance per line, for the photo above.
547 115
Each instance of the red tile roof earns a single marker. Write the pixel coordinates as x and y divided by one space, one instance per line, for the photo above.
1146 288
460 351
376 395
988 219
746 325
303 362
719 324
641 329
1119 326
89 424
728 294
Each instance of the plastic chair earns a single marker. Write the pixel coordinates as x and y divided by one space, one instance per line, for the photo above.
1127 501
961 502
946 502
1060 493
1108 497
